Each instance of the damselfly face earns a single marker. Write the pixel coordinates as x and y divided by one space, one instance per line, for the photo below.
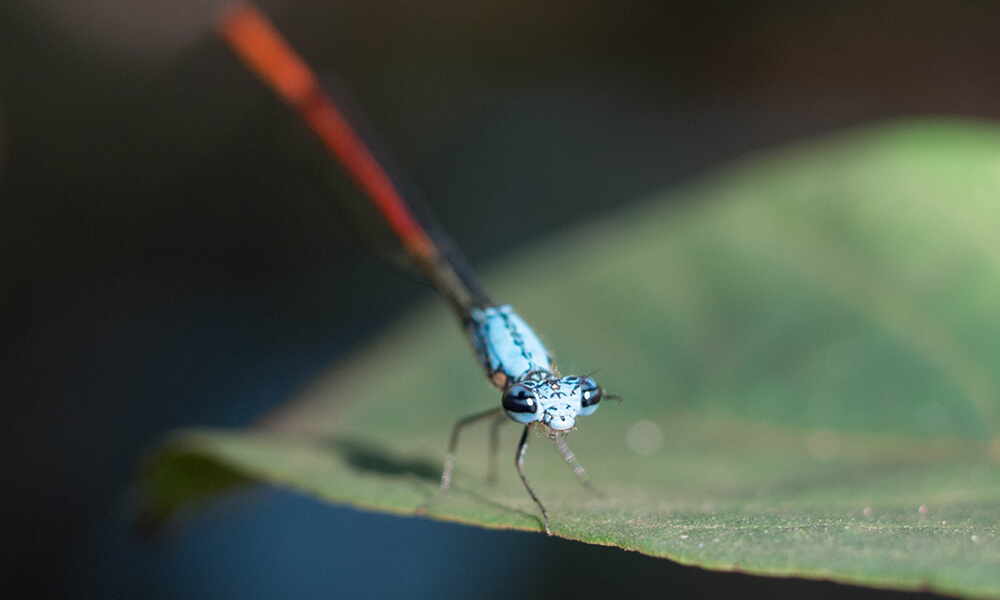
555 402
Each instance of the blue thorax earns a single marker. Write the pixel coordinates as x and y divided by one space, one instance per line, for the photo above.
516 361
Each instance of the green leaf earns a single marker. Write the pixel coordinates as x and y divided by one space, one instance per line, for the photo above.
807 345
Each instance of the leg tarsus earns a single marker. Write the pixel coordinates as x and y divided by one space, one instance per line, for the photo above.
449 460
449 466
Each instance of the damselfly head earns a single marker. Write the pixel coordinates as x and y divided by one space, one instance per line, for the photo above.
553 401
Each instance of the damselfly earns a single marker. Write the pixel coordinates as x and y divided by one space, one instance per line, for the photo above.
514 359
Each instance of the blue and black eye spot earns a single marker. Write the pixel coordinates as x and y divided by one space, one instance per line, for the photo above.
520 399
590 393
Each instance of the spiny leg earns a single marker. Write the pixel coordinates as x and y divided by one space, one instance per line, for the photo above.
491 473
521 447
571 460
449 460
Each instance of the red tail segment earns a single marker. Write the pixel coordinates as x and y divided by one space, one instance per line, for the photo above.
255 40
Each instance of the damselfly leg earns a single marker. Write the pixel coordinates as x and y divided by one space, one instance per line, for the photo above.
571 460
522 447
449 459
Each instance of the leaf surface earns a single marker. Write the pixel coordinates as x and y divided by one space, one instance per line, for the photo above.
807 345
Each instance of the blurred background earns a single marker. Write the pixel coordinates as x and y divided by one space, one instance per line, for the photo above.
166 262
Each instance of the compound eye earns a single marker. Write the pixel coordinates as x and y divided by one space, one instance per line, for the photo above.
590 395
520 402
